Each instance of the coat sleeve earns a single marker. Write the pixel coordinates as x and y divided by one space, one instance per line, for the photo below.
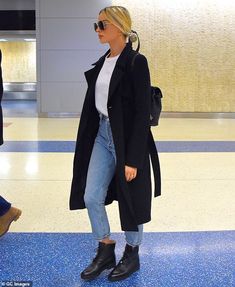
138 139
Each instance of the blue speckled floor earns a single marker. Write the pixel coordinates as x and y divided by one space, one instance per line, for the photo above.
175 259
162 146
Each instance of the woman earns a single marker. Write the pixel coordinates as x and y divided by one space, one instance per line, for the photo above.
113 145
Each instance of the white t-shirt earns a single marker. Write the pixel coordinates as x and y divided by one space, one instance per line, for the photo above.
102 84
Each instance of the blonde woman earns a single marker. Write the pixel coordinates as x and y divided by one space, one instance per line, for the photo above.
113 146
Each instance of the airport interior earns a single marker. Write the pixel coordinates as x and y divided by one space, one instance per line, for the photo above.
46 46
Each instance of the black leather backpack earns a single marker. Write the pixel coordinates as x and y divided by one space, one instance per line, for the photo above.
156 95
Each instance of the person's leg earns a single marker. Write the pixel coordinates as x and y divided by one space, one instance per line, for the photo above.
7 215
134 238
4 206
129 262
100 173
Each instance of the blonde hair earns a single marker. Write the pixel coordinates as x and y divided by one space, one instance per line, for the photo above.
120 17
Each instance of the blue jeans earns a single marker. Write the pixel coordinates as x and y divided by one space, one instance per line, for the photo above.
4 206
100 173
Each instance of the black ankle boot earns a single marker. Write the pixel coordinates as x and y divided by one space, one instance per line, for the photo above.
104 259
127 265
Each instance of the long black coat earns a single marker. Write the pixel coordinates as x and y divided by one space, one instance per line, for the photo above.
1 92
129 113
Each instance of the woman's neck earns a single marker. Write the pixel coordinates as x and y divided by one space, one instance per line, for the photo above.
116 47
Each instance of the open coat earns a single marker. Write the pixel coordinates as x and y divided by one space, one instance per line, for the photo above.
129 114
1 92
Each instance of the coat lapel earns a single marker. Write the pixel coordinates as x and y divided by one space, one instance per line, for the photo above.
119 70
92 74
115 79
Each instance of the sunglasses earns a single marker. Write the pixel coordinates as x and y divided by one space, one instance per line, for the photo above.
101 25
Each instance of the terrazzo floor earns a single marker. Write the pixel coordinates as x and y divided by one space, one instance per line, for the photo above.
189 242
167 259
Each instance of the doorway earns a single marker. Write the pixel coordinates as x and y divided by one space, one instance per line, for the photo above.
19 75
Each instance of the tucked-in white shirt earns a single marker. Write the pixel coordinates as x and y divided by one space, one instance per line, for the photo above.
102 84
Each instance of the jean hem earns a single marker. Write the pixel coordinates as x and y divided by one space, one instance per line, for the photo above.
134 245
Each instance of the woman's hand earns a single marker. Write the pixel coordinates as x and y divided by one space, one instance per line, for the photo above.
130 172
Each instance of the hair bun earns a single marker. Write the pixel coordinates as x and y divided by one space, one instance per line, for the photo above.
133 36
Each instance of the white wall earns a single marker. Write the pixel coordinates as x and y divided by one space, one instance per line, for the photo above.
66 47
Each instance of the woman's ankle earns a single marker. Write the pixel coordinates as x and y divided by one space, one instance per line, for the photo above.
107 240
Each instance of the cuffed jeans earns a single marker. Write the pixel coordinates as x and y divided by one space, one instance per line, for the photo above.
100 173
4 206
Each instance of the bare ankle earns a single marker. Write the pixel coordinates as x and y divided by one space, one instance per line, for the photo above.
107 240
